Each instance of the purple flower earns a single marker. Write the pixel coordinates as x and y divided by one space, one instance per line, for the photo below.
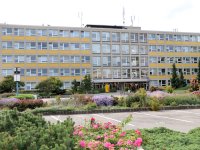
103 100
8 101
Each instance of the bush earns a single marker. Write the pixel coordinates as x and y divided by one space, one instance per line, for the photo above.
82 98
58 99
169 89
153 88
6 95
22 131
142 94
154 104
103 100
197 93
132 99
90 106
122 101
24 96
22 105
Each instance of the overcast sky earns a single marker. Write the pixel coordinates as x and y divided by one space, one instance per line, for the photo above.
166 15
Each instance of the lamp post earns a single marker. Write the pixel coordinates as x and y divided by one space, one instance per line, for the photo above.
17 78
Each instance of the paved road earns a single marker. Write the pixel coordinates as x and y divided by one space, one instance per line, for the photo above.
179 120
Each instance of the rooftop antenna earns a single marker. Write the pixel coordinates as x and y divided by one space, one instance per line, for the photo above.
80 15
132 19
123 16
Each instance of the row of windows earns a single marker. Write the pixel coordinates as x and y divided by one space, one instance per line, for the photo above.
174 37
48 72
170 48
118 73
117 49
45 32
184 60
45 45
45 59
117 61
168 71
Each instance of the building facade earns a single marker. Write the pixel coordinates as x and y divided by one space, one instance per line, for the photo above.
121 56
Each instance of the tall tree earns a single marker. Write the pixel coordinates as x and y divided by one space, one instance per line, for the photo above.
74 86
86 83
9 85
198 73
182 81
174 79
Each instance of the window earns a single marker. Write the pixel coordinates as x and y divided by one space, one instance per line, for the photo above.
97 73
116 73
135 73
22 72
85 72
66 85
86 59
194 71
124 37
106 61
30 58
75 59
178 49
7 72
75 46
154 83
105 36
31 72
95 36
144 61
169 37
74 34
30 85
19 59
64 72
105 48
53 33
126 73
186 71
96 48
134 61
125 49
116 62
151 36
169 48
143 37
161 71
96 61
7 45
64 33
7 59
152 48
85 46
153 60
64 46
75 72
161 59
42 45
134 37
42 32
153 71
193 38
186 37
65 59
160 36
170 60
30 45
53 72
194 59
125 61
42 59
53 46
193 49
162 82
144 73
6 31
115 37
160 48
134 49
179 38
143 49
18 32
107 74
42 72
169 71
31 32
53 59
186 60
115 49
185 49
19 45
85 34
178 60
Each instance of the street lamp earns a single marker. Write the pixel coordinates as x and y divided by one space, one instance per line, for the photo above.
17 78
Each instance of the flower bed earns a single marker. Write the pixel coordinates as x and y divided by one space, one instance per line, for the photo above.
95 136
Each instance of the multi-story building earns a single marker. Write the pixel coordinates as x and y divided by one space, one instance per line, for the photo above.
121 56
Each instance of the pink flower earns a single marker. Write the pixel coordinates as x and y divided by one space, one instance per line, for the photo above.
95 126
82 144
108 145
123 134
120 142
138 142
98 137
80 133
129 142
138 132
112 136
92 119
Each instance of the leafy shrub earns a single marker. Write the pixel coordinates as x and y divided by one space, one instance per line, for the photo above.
83 99
142 94
194 85
132 99
154 104
6 95
24 104
169 89
103 100
27 131
24 96
153 88
197 93
90 106
58 99
121 101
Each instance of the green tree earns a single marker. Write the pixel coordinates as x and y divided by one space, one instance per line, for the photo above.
86 84
50 86
174 79
74 86
198 73
9 85
182 81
